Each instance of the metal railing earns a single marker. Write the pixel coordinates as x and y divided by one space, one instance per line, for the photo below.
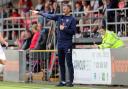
10 26
87 24
119 22
42 65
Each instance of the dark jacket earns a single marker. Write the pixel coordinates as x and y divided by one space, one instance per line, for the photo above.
41 44
26 43
64 37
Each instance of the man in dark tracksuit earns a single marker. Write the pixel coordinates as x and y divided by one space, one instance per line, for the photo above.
66 29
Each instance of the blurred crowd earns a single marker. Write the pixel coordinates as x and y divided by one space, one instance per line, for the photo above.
35 36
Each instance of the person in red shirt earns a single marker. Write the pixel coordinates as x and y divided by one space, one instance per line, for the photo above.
16 22
22 3
35 38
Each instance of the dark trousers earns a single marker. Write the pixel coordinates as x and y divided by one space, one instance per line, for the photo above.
66 54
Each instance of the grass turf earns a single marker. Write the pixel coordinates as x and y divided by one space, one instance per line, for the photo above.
8 85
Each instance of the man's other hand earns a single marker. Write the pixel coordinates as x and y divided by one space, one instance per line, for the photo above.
62 27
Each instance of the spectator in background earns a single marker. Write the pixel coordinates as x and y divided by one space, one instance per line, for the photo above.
47 8
40 6
19 41
94 4
21 3
86 20
26 5
27 40
108 4
96 21
121 4
121 18
16 23
36 34
101 5
56 7
86 6
51 11
29 4
41 44
5 12
10 7
78 8
28 21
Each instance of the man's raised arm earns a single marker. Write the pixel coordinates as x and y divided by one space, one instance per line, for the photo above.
49 16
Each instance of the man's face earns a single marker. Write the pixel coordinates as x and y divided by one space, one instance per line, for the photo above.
66 10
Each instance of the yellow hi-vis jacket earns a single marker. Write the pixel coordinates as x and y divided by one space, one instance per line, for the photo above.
111 40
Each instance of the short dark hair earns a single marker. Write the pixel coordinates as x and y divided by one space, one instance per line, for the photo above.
69 6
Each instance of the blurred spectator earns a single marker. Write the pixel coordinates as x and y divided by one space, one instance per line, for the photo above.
86 6
51 9
17 23
41 44
15 13
94 4
40 5
19 41
10 7
56 7
29 21
121 18
27 40
47 7
29 4
14 23
78 8
97 20
121 4
21 3
36 34
5 13
87 18
108 4
25 4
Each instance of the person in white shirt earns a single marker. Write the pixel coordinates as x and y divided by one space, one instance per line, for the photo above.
2 54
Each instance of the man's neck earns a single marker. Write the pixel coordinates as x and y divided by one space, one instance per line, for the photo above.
67 14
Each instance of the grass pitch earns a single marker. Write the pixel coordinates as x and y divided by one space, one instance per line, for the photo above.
8 85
